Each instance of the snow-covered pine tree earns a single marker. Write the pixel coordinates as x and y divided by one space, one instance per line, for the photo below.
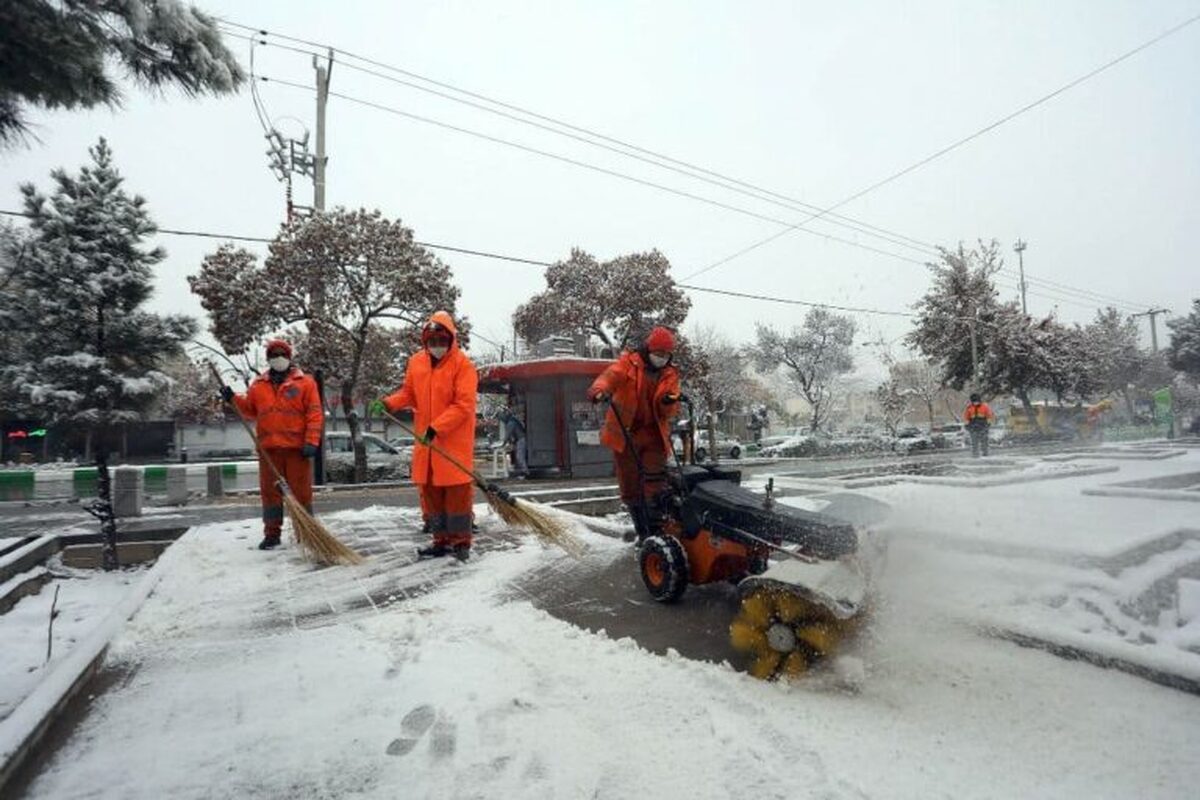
58 54
92 356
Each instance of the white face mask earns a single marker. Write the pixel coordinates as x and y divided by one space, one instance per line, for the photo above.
279 363
659 361
437 352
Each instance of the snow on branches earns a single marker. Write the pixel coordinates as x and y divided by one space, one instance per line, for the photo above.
813 356
617 301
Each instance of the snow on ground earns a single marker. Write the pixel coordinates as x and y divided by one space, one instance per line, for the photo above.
252 675
84 599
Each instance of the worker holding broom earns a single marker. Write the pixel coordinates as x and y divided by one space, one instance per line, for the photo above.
286 407
642 388
440 386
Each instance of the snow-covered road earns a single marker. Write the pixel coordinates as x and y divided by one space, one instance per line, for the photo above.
251 675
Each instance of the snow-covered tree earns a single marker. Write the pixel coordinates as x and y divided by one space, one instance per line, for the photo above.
893 403
616 301
352 278
714 376
60 53
1184 351
90 356
1115 359
918 381
813 356
190 395
962 296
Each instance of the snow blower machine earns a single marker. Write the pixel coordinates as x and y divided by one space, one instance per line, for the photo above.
802 577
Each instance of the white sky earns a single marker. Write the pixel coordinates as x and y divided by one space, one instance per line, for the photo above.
813 100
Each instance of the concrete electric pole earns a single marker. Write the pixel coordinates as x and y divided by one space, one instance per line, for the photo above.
1020 248
1153 315
323 73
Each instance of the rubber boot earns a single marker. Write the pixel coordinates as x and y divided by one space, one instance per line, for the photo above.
462 551
270 541
638 513
433 551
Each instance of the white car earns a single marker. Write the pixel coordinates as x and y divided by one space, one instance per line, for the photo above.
384 461
951 435
727 446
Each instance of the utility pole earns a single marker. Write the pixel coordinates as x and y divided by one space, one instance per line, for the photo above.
318 291
1153 315
1019 247
323 74
975 350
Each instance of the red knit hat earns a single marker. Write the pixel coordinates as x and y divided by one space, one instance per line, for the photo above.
660 339
279 344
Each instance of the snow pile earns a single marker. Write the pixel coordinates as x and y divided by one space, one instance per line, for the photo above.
463 689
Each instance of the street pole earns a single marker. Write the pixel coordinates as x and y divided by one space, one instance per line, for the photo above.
1020 248
323 73
1153 315
318 290
975 353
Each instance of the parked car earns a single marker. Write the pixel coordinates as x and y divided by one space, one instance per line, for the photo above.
951 435
797 445
910 440
384 461
727 446
997 434
402 442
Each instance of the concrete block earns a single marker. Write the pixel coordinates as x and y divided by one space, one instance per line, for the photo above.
127 491
177 488
216 481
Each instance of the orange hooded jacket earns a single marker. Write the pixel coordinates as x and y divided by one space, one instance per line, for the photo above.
287 415
442 396
626 382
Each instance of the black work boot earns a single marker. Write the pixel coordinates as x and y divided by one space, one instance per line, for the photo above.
462 551
433 551
270 541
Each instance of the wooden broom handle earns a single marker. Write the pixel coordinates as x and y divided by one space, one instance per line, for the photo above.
246 425
479 481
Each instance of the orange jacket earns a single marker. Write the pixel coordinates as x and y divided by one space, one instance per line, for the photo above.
442 397
287 415
978 410
627 383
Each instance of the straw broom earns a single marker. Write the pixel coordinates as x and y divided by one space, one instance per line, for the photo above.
316 543
517 513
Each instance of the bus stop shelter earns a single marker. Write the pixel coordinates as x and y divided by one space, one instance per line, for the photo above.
562 427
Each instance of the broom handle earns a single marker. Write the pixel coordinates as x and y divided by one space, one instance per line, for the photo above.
246 425
475 476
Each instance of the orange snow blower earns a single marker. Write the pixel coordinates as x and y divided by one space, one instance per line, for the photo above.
801 586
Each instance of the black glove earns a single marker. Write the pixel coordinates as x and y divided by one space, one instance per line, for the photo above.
227 394
427 437
309 450
493 489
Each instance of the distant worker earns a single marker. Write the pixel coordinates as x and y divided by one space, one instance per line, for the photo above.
286 408
643 389
979 419
440 386
514 435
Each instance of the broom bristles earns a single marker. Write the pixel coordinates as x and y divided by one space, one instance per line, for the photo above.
548 528
317 543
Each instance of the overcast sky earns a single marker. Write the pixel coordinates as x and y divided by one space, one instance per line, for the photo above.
812 100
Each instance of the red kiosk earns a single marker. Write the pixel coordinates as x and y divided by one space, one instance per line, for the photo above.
562 427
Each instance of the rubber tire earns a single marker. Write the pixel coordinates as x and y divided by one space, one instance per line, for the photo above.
735 452
701 454
674 568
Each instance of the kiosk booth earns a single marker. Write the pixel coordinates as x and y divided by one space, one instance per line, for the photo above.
562 427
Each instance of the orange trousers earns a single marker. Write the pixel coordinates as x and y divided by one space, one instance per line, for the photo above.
448 512
298 473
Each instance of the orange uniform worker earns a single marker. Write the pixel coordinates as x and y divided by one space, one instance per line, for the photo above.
643 387
978 417
440 386
286 408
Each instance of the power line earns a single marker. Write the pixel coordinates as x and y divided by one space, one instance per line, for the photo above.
690 171
957 144
792 302
634 179
856 225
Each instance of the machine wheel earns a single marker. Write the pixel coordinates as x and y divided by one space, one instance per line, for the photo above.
664 568
784 634
701 454
735 452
